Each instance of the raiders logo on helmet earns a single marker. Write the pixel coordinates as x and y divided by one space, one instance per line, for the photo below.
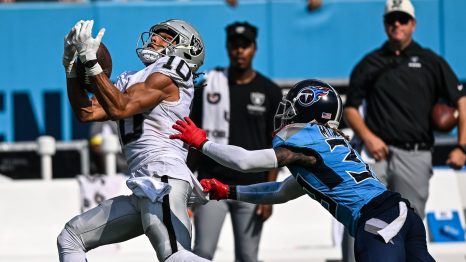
213 98
196 46
396 3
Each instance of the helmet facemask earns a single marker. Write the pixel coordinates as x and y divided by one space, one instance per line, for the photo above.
147 54
285 112
186 44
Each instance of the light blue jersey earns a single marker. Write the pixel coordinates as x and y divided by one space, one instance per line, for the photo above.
340 180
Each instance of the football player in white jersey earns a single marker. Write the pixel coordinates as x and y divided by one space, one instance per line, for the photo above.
145 103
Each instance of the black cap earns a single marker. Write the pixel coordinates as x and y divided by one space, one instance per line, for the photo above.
241 29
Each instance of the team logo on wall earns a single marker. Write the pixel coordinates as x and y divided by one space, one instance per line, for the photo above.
257 98
196 46
213 98
309 95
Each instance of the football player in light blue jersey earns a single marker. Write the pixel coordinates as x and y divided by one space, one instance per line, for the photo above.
324 166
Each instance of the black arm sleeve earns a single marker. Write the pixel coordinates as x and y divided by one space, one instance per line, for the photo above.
356 92
451 87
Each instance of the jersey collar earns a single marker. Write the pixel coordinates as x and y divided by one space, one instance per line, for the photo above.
412 49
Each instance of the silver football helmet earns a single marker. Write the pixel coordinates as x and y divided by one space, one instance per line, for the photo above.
187 44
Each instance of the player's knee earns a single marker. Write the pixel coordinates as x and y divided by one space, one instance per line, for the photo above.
203 252
67 241
184 255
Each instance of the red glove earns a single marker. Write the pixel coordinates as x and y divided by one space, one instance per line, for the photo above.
190 133
216 189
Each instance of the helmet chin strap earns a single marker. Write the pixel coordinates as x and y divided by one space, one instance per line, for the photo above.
148 56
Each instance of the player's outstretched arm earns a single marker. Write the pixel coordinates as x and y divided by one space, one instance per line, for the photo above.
238 158
294 156
234 157
457 158
85 109
261 193
137 98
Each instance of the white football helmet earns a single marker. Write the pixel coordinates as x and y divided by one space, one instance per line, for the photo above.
186 44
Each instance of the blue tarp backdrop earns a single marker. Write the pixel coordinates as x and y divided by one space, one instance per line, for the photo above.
293 44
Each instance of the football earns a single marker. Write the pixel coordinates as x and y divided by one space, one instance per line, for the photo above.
444 117
105 61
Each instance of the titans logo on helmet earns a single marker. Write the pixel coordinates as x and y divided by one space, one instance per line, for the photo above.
311 94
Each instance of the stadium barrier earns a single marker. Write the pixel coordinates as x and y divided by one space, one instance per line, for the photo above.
33 212
46 147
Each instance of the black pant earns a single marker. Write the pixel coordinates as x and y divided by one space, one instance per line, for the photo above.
408 245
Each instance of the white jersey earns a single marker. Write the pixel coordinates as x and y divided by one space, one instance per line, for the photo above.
145 137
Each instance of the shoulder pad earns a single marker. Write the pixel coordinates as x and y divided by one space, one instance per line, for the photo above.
122 79
290 130
219 68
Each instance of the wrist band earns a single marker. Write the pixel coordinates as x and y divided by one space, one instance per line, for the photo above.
231 192
462 148
94 70
90 63
202 144
71 74
70 69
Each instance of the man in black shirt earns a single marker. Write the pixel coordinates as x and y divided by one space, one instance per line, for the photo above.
236 107
397 86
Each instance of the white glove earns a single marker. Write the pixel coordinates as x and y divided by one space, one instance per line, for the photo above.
69 53
87 46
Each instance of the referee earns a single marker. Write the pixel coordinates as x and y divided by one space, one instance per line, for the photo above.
396 87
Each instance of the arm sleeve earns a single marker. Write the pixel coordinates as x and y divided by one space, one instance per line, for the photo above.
356 91
240 159
270 192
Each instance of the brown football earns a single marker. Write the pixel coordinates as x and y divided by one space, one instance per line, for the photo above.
105 61
444 117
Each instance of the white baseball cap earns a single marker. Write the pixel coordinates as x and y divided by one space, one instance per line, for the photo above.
404 6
